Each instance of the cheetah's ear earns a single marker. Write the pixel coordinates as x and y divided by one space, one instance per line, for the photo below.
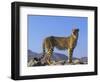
77 30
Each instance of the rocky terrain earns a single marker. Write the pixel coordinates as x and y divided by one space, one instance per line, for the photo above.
34 59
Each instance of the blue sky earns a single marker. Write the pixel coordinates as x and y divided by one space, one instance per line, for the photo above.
40 27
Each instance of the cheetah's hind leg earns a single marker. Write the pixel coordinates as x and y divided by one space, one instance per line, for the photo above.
49 53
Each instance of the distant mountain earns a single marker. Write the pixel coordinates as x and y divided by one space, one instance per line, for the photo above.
56 56
74 58
84 59
32 55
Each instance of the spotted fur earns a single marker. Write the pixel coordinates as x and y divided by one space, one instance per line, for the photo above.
61 43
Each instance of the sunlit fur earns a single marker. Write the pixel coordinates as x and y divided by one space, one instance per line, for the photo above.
61 43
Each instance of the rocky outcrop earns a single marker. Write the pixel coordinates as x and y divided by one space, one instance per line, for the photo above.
35 59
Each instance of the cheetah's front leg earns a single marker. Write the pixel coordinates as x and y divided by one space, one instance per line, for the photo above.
70 53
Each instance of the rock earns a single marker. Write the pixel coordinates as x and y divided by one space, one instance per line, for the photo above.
76 61
32 62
